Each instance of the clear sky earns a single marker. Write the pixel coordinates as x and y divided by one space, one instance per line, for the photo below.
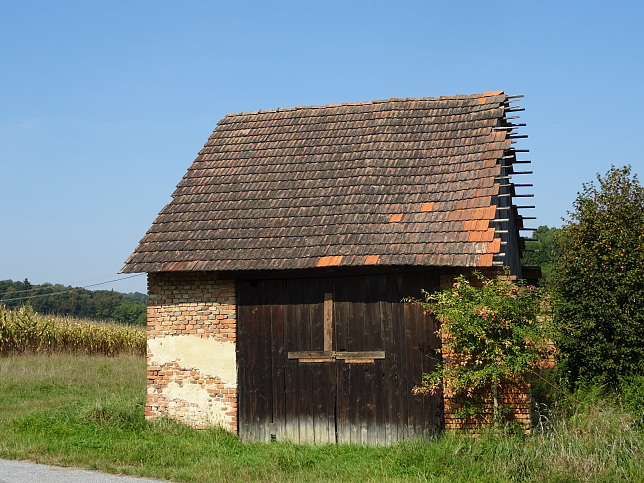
104 104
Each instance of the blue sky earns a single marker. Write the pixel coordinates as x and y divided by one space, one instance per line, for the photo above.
104 104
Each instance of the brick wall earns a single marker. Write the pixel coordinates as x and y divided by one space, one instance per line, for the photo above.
192 372
515 396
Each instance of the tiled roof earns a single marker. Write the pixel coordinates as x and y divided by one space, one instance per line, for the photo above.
397 182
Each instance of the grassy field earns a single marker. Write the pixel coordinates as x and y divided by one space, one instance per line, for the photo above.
87 411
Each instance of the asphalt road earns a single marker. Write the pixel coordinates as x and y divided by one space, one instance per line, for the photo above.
22 472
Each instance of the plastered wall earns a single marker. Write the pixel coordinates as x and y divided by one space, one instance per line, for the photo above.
192 369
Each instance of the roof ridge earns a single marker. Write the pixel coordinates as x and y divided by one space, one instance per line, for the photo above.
365 103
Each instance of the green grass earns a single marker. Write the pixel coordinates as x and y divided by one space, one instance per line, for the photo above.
88 412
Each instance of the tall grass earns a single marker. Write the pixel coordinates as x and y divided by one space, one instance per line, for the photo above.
23 331
88 412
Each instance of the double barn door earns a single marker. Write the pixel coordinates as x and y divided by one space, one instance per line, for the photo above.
334 359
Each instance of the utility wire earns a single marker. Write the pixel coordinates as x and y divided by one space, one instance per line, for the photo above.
62 291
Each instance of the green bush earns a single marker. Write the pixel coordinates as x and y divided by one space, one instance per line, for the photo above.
599 284
632 391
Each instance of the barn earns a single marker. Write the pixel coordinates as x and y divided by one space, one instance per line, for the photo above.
277 272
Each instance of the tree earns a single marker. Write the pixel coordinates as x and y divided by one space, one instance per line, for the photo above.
540 253
599 282
130 313
75 302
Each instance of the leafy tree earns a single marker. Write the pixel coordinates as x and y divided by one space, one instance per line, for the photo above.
131 313
541 252
78 302
599 285
136 297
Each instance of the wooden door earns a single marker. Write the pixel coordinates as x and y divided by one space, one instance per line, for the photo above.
334 359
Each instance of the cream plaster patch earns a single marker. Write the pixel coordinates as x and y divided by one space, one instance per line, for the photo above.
196 395
209 356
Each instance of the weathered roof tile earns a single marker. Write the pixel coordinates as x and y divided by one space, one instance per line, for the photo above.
392 182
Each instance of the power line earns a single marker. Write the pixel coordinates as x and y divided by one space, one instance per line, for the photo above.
115 280
62 291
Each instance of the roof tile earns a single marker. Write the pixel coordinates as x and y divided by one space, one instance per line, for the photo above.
411 180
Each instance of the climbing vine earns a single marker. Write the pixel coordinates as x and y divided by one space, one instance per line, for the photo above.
494 332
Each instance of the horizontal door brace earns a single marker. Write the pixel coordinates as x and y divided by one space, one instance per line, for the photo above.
332 355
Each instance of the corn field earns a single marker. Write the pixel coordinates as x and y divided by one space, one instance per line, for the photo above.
24 331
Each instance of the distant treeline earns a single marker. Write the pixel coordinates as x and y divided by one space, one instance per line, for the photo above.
57 299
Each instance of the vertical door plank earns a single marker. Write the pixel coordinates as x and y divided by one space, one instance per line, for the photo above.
323 374
291 379
345 426
343 381
423 409
242 359
302 322
252 411
392 395
278 320
372 294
